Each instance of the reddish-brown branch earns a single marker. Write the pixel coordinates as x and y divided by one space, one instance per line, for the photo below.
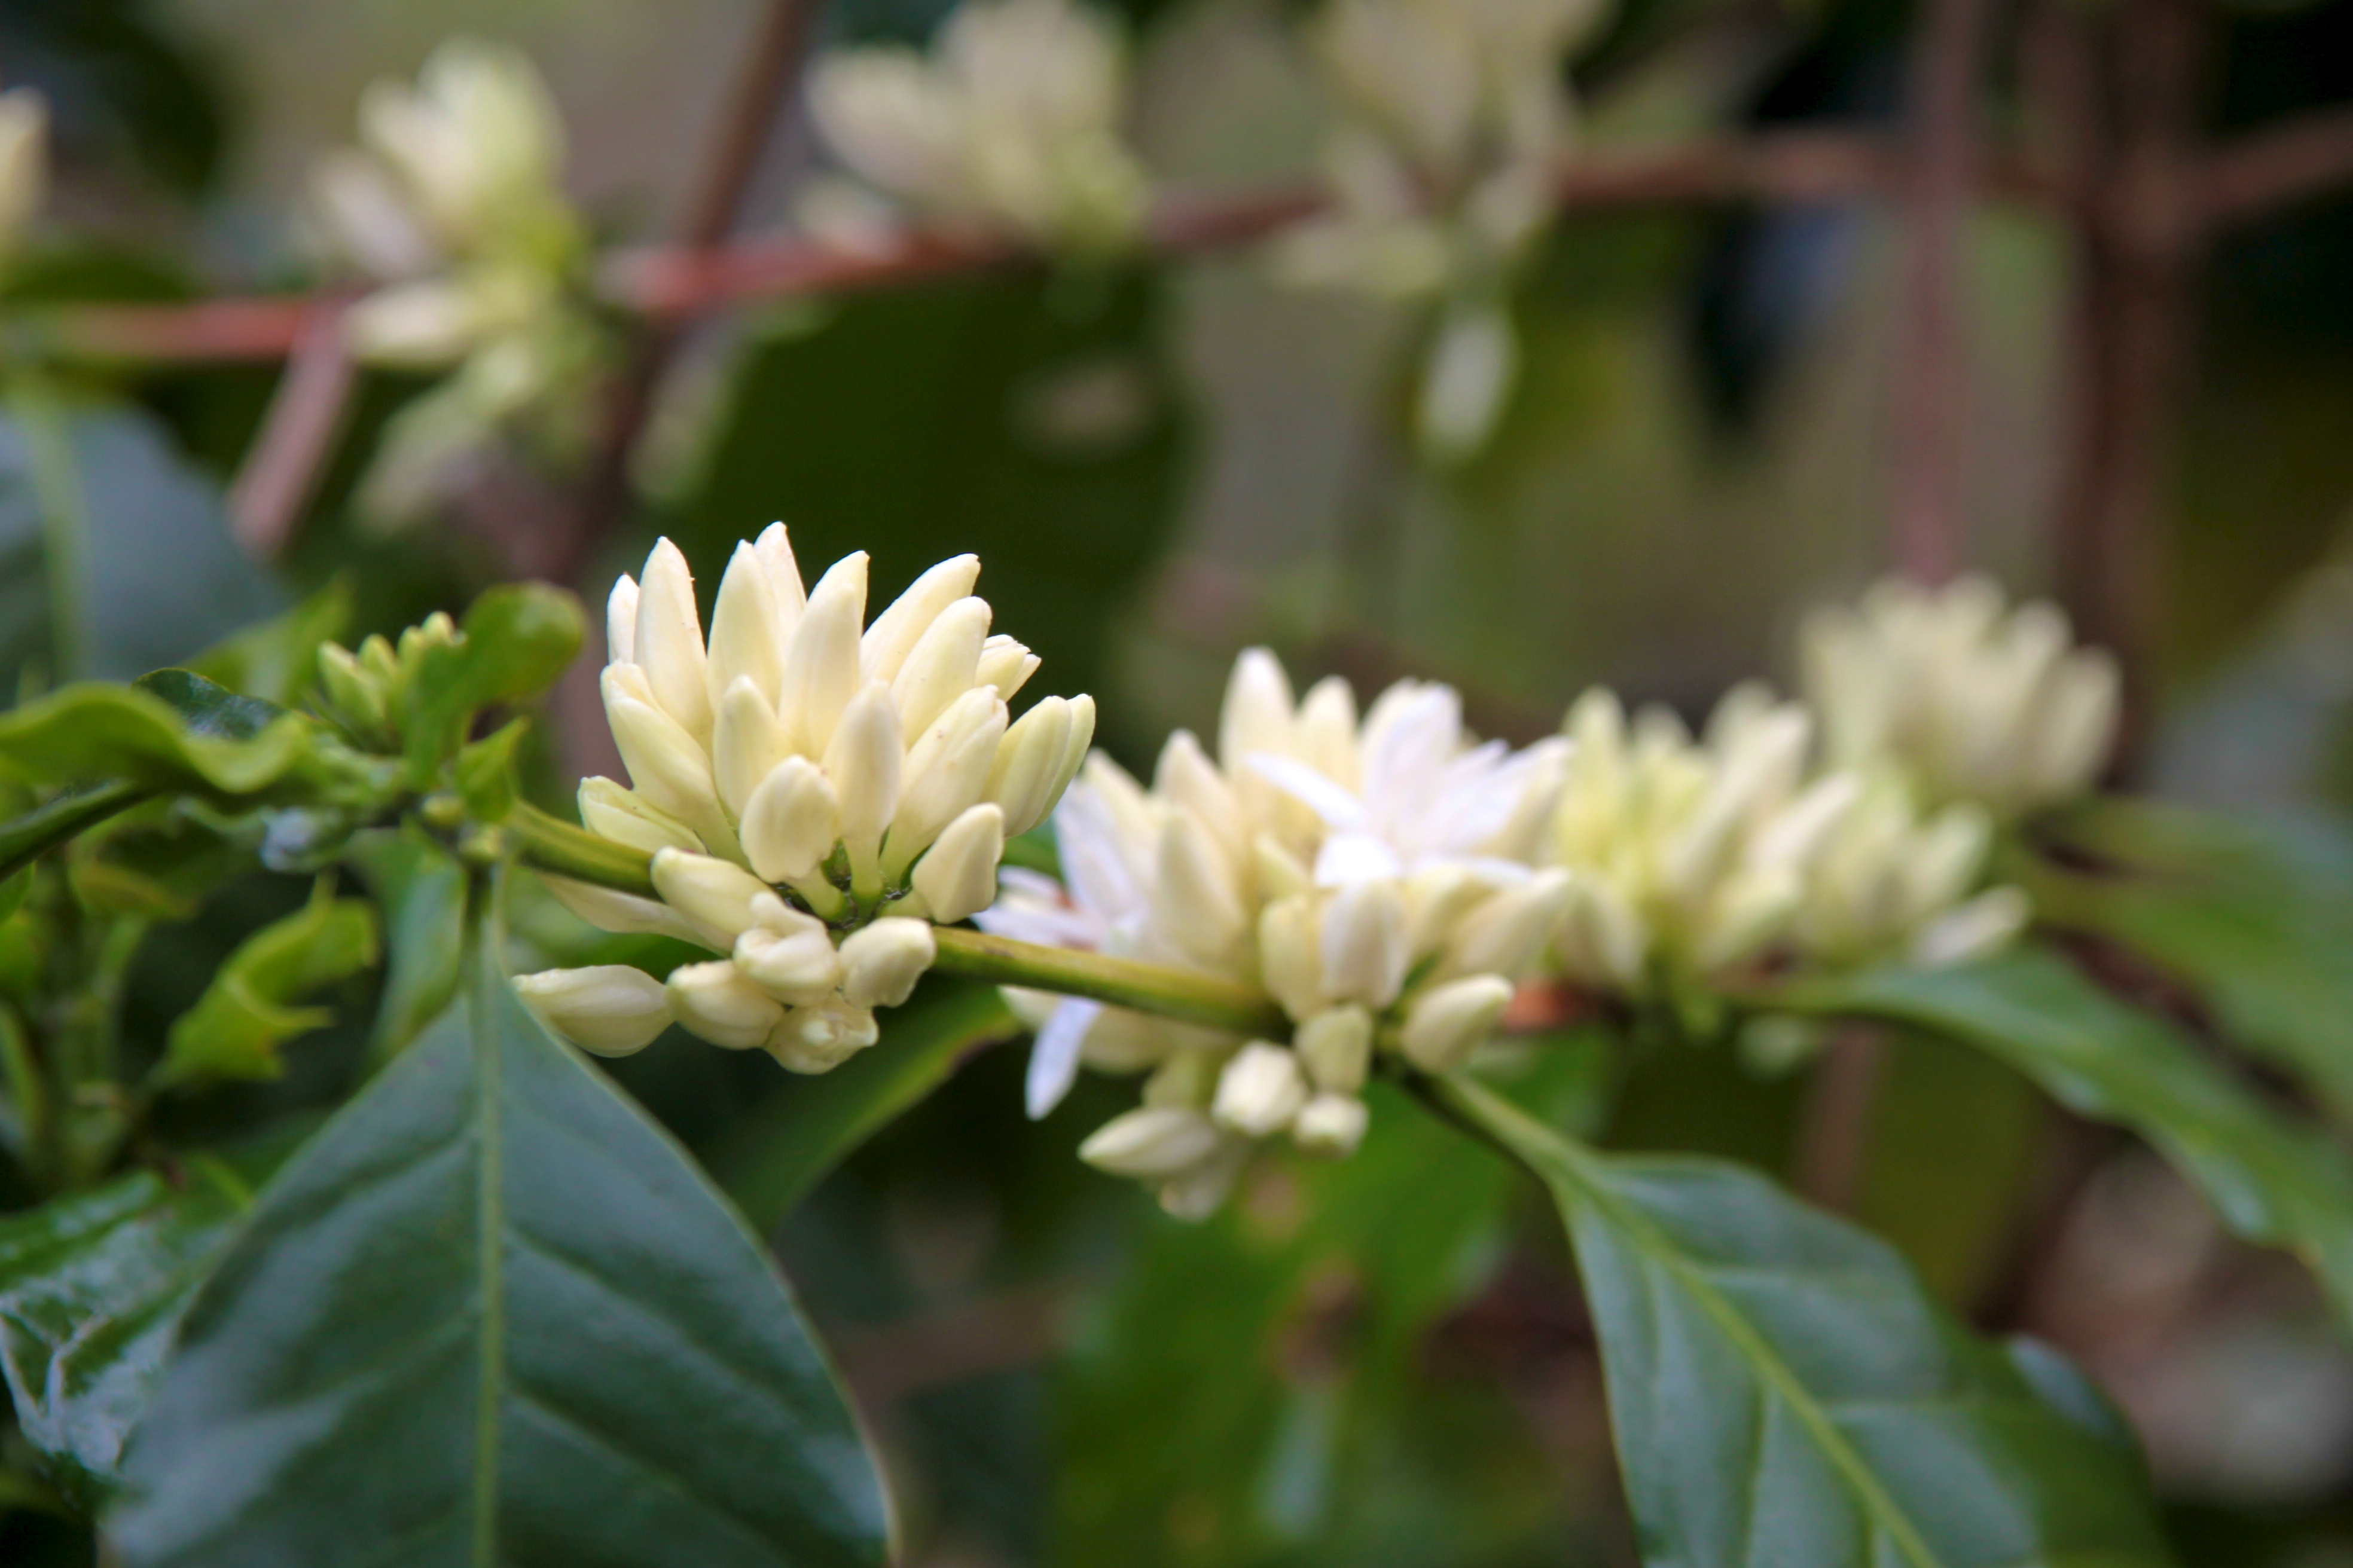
298 433
2266 170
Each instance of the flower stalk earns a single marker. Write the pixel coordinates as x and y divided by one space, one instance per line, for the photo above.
547 844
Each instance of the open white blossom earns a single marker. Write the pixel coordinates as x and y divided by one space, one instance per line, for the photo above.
1011 124
453 205
23 164
814 790
1452 115
1692 861
1961 697
1372 877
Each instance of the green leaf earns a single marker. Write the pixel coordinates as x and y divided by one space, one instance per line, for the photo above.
91 1289
518 638
175 731
2252 913
2273 1180
1783 1390
492 1314
485 773
422 890
43 828
237 1026
278 659
772 1157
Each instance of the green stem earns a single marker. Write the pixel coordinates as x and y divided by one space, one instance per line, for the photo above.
549 845
23 841
65 519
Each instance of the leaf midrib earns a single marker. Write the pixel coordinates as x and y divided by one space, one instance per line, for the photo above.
489 1222
1576 1179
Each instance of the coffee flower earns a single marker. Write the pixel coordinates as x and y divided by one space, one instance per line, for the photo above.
1961 697
1452 117
1888 884
453 205
1372 877
814 791
1010 125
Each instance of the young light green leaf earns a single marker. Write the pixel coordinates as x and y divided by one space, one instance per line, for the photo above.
2253 913
171 731
1783 1390
276 660
247 1012
2272 1180
773 1156
422 890
91 1289
518 638
492 1314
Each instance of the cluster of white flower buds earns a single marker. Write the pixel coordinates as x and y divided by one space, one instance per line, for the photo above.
1374 877
1010 125
1691 860
23 164
814 791
453 204
1960 696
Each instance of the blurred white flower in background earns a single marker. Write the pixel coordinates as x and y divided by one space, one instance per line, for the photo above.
453 205
814 790
1961 697
1452 117
1371 875
1011 124
23 164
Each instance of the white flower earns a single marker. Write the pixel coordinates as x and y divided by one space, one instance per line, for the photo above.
24 163
1889 883
1961 697
1011 123
800 776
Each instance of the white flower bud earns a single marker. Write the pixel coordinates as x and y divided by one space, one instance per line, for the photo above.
720 1003
1153 1142
1447 1022
821 1038
1194 1195
608 1008
745 632
792 821
1257 713
1195 901
611 810
621 621
821 664
1436 899
746 744
1330 1126
1506 933
1005 665
1280 872
863 764
939 668
1326 732
1260 1092
620 913
668 646
896 631
957 878
1290 955
1968 932
715 894
787 953
666 764
1021 777
947 772
1601 937
1364 943
881 962
774 550
1336 1046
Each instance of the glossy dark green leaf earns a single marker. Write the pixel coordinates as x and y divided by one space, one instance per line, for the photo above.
153 738
518 639
249 1011
91 1289
2252 913
421 888
492 1314
278 659
773 1156
2272 1178
1784 1391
